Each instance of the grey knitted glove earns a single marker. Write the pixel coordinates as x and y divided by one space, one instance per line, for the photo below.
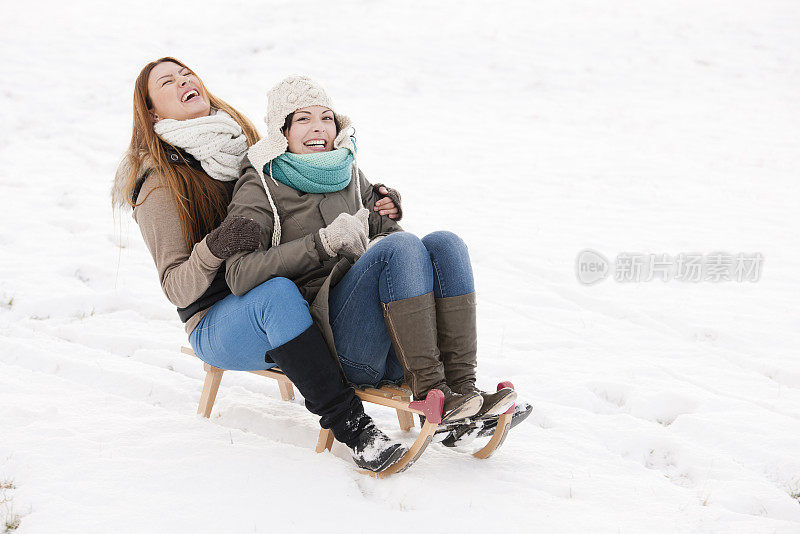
235 234
347 233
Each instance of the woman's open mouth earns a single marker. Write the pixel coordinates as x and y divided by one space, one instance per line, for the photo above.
316 144
189 95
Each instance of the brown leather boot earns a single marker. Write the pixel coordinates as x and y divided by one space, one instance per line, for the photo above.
411 324
457 339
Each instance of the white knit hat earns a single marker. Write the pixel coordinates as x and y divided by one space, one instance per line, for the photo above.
289 95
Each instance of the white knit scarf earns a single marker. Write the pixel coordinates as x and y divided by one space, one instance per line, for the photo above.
216 141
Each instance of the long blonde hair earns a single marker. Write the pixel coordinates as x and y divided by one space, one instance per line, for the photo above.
202 201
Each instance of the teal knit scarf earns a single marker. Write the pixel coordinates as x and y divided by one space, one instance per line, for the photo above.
318 172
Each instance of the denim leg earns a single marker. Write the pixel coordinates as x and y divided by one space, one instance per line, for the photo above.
394 371
452 268
237 331
396 267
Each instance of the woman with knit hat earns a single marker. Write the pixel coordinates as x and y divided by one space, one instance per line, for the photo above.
178 176
377 293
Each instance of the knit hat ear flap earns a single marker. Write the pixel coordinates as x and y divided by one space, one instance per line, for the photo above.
344 134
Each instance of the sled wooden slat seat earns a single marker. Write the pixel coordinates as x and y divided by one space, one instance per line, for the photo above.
391 396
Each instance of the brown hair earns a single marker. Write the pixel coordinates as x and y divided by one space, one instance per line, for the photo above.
202 201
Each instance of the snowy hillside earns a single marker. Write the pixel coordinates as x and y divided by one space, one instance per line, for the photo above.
534 130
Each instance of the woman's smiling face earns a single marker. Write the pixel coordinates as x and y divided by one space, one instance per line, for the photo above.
313 129
176 93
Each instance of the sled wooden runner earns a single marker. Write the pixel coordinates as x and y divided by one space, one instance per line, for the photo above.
500 432
397 397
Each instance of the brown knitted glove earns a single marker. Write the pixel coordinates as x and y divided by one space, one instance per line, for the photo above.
394 194
235 234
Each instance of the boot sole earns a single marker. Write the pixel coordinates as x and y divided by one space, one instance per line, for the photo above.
502 405
398 453
466 409
472 432
518 417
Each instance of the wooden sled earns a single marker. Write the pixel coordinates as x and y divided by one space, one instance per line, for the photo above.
397 397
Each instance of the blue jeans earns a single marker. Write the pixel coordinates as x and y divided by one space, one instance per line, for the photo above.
237 331
397 267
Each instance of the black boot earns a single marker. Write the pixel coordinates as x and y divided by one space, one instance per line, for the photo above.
372 449
307 362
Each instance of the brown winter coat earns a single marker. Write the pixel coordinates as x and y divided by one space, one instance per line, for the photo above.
297 256
184 274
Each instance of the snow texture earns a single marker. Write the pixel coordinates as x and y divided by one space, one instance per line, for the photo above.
533 130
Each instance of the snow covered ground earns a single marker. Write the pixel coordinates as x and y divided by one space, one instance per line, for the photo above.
532 129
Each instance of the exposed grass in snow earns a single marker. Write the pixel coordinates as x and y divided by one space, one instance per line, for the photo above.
9 519
794 491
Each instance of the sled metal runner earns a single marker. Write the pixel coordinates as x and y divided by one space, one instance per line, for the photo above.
397 397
